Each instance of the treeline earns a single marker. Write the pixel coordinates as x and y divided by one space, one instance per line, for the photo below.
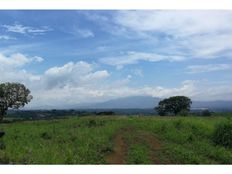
57 113
44 114
50 114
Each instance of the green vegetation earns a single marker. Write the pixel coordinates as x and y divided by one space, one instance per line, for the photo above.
223 134
115 139
13 95
174 105
138 154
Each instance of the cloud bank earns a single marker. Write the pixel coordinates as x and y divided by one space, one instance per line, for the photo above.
83 82
199 41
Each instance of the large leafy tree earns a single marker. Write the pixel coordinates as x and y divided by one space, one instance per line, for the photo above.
174 105
13 95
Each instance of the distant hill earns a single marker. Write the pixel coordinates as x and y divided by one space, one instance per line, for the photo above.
145 102
213 105
138 102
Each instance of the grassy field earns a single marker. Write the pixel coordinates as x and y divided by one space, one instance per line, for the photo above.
114 140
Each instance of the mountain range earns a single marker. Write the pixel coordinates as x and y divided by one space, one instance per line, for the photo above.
147 102
138 102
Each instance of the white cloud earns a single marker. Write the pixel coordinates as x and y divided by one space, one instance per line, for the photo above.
102 48
196 90
81 82
6 37
19 28
79 67
96 17
73 74
12 69
97 75
176 23
38 59
17 60
75 83
15 48
187 88
97 92
203 34
16 28
137 72
208 68
211 46
84 33
180 35
194 33
80 32
135 57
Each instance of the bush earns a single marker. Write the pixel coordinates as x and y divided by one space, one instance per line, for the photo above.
206 113
92 123
2 146
223 134
105 113
45 136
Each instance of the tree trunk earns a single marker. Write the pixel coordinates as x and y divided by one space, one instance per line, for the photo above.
2 113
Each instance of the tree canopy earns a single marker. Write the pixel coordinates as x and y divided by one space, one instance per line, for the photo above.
174 105
13 95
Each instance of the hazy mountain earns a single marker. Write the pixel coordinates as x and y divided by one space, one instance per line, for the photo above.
213 104
142 102
138 102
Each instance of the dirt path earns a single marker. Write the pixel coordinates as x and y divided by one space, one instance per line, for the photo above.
119 151
118 156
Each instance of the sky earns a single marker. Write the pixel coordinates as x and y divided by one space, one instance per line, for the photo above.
67 58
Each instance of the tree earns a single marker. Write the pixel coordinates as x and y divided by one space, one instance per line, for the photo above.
206 113
13 95
174 105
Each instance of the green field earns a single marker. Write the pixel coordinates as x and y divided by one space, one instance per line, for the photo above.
114 140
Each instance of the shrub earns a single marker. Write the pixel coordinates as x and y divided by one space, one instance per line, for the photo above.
92 123
4 159
2 134
45 136
223 134
191 138
178 124
206 113
2 145
105 113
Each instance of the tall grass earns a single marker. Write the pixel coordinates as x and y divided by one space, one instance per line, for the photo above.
86 140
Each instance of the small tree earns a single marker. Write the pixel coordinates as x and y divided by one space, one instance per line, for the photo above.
174 105
13 95
206 113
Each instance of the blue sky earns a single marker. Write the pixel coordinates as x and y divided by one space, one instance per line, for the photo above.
91 56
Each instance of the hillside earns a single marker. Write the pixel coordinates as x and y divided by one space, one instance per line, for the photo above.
139 102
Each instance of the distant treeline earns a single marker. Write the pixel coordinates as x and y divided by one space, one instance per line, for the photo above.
17 115
54 113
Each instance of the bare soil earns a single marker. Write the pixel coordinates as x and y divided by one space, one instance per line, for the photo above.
118 156
119 151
